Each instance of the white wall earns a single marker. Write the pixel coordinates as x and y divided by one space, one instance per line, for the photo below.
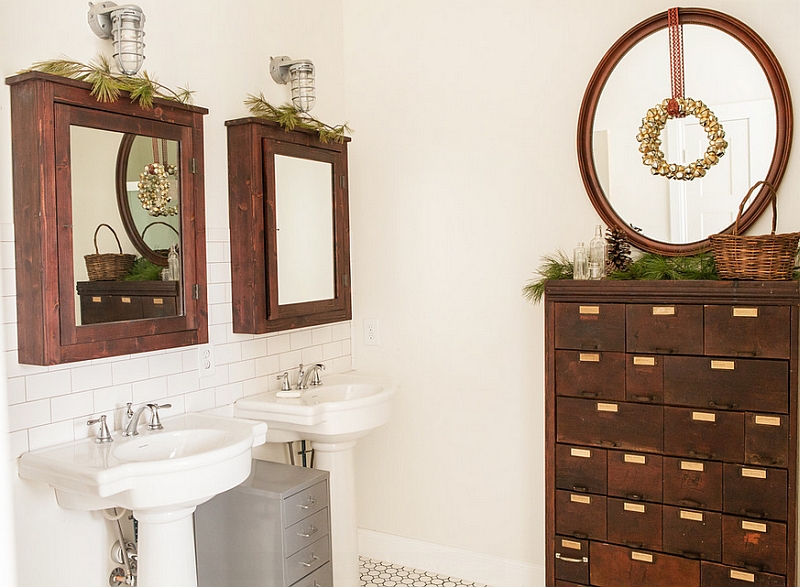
222 51
463 174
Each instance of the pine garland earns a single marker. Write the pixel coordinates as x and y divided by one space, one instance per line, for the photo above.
558 266
106 86
290 118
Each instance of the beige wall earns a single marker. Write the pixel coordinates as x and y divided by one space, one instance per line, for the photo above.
463 174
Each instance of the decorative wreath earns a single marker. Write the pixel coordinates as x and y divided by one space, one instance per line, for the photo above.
154 189
650 133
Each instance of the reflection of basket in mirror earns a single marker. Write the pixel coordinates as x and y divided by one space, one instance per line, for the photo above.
768 256
162 252
108 266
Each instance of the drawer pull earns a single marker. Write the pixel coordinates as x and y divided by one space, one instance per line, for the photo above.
590 347
690 554
642 557
309 533
754 514
580 489
309 503
609 443
635 459
568 559
590 310
754 526
702 455
604 407
588 394
718 365
713 404
704 417
314 559
644 361
633 507
96 299
581 453
768 420
645 398
692 516
754 473
589 357
692 466
742 576
745 312
635 496
691 503
663 310
571 544
664 351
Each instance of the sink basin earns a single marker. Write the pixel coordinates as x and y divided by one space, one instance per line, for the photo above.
345 407
194 457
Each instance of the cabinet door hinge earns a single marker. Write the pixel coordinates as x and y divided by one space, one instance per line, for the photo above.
346 280
196 291
342 181
193 165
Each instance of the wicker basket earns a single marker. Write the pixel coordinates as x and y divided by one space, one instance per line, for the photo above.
162 252
108 266
769 256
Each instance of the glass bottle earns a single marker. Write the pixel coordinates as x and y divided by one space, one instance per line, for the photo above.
580 262
597 254
174 264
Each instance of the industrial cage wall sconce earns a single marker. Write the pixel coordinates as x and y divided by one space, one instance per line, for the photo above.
301 75
125 26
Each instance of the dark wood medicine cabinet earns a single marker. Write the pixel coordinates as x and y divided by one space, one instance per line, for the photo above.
61 133
289 223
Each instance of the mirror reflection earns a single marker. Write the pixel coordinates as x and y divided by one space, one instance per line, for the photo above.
103 229
305 231
723 73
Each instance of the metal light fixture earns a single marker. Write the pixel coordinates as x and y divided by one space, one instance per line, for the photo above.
301 73
125 25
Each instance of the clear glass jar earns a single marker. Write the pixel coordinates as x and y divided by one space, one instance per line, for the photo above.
580 262
597 254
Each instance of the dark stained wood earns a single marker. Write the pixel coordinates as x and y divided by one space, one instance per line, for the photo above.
581 469
112 301
635 524
759 332
693 483
644 378
590 374
572 560
716 575
581 515
42 108
747 493
664 329
693 533
704 434
590 327
635 476
754 544
766 440
618 566
252 144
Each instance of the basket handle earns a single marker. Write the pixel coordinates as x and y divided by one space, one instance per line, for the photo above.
175 230
773 199
112 232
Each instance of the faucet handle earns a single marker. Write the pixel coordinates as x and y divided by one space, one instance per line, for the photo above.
300 374
315 380
103 434
155 420
285 385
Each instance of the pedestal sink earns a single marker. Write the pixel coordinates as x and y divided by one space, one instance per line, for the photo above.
160 475
333 416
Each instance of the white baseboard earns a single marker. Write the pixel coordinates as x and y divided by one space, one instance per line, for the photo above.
445 560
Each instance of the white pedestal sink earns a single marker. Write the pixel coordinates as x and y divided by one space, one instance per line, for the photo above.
333 417
160 475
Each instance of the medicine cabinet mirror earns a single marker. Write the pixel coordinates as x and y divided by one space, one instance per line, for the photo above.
729 68
72 155
289 222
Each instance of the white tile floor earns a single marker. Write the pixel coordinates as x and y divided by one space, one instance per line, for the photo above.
383 574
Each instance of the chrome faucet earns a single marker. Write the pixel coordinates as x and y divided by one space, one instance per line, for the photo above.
312 374
132 418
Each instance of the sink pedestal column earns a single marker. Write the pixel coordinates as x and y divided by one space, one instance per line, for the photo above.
166 548
337 459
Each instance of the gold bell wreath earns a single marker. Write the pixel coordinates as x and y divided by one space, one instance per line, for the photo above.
154 189
650 138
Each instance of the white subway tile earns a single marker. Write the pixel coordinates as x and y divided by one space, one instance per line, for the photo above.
220 377
228 353
199 401
220 333
16 369
341 330
178 404
217 235
219 272
9 309
15 387
92 377
10 333
290 361
227 394
51 434
343 364
268 365
301 339
151 390
7 232
217 293
49 384
322 335
332 350
254 348
18 443
129 371
312 354
237 336
28 415
112 398
8 282
7 255
220 314
255 386
189 359
74 405
279 344
167 364
241 371
180 383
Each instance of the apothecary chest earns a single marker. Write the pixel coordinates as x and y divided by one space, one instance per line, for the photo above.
671 433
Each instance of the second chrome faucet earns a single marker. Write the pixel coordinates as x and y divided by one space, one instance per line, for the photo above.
132 418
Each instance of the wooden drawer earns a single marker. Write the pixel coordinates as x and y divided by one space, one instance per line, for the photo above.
766 440
581 515
704 434
692 483
306 502
755 492
590 374
714 575
627 426
755 544
693 533
322 577
741 384
635 476
306 531
634 523
752 331
579 468
644 378
159 307
591 327
307 560
572 560
669 329
618 566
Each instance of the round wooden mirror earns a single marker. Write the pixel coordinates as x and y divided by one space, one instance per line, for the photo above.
727 66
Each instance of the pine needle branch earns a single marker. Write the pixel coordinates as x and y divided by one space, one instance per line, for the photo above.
290 118
557 266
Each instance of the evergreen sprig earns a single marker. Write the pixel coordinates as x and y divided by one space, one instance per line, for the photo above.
558 266
290 118
106 86
651 266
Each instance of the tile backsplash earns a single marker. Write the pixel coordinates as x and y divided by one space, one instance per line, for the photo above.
50 405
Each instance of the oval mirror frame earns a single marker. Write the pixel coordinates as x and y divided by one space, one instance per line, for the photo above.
783 110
